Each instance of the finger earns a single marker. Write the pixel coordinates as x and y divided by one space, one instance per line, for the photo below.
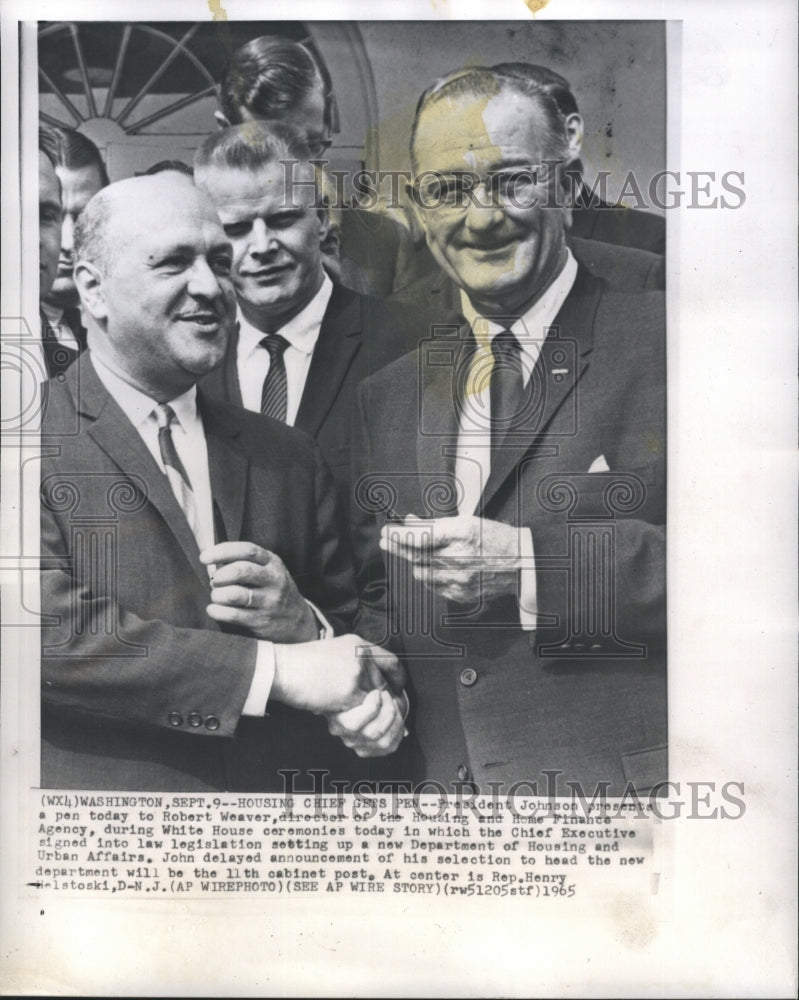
227 552
245 574
384 743
384 668
385 722
351 720
227 615
236 597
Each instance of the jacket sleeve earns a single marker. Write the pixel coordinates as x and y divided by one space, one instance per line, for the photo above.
102 661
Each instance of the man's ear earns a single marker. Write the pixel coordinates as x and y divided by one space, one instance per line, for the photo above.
574 135
89 283
416 217
221 120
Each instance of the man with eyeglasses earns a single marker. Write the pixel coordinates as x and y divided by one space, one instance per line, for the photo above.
509 475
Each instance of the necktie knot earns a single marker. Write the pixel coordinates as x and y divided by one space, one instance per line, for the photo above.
164 415
274 345
505 346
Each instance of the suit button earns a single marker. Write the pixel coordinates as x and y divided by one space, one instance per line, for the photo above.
212 722
195 719
175 719
468 677
463 773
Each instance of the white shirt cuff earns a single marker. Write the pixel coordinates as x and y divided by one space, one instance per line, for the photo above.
262 679
528 597
326 630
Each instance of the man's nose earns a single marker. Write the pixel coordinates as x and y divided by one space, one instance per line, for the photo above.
483 212
67 234
262 239
203 283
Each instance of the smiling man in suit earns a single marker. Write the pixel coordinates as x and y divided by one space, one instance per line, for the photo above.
194 564
303 343
509 520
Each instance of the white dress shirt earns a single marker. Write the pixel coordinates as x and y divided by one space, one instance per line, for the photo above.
61 330
473 454
302 333
189 440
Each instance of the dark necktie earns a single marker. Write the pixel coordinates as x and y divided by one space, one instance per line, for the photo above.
274 395
175 470
508 395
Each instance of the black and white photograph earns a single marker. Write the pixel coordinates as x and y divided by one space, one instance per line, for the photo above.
375 485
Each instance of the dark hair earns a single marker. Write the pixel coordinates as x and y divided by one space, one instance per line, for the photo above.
552 83
177 165
484 82
271 75
50 143
77 152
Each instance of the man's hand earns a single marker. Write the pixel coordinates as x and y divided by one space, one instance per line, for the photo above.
374 728
252 588
464 559
335 675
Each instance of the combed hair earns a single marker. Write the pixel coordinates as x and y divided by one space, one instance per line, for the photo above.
552 83
271 75
484 83
249 146
50 143
77 152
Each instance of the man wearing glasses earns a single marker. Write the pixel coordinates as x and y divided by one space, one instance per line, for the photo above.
509 475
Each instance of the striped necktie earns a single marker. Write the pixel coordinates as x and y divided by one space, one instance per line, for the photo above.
175 471
275 395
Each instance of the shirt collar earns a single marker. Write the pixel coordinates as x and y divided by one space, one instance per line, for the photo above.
530 326
301 331
53 314
135 404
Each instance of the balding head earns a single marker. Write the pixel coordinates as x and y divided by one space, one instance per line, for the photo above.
136 202
153 273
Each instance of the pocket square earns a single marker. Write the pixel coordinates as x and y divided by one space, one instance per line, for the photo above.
599 465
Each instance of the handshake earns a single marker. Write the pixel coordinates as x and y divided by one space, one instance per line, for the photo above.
357 685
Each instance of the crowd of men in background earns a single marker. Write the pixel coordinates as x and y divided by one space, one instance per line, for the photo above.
346 463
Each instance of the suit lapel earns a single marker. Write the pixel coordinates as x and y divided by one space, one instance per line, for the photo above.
563 361
441 362
115 435
340 339
228 470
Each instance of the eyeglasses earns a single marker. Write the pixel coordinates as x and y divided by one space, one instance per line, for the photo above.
515 187
317 145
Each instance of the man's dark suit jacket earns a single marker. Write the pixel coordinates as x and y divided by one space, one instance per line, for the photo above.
627 227
58 358
140 688
359 335
494 702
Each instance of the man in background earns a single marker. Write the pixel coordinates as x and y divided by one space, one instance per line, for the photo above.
49 209
303 342
81 174
275 80
591 217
